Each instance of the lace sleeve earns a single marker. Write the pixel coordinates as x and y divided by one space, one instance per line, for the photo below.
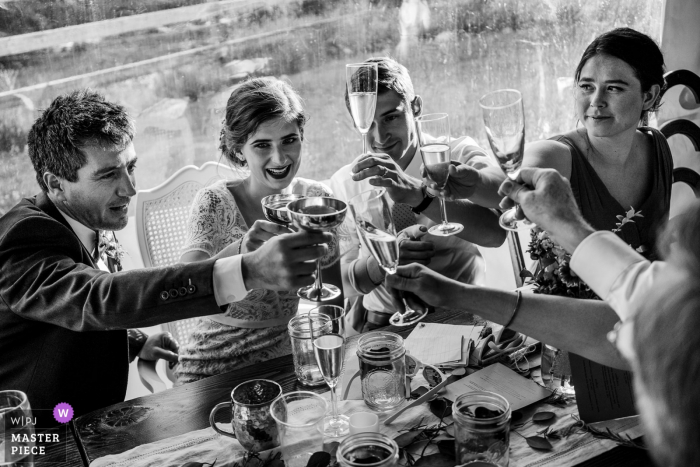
202 226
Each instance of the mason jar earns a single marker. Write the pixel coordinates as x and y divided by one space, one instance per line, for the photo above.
302 330
482 428
375 449
382 369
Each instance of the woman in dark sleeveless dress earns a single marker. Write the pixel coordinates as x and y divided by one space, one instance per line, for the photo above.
618 168
615 163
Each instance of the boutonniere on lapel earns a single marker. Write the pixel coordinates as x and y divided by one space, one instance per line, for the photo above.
111 251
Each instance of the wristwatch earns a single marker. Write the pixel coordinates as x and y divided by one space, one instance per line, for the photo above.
427 199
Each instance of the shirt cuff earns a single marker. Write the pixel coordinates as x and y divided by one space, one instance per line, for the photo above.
600 259
229 286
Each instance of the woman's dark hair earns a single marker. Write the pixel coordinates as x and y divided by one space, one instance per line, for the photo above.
634 48
253 103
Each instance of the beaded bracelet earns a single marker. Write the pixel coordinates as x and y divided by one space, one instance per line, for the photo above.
515 309
240 244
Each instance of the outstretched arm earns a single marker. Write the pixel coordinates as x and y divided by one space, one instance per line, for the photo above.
576 325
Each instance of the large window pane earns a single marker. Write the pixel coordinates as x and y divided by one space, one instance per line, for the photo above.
173 63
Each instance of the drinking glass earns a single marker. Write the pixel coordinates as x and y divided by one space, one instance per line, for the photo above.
482 429
16 420
317 214
330 355
275 207
303 329
299 416
375 225
504 120
335 313
361 80
375 449
434 142
249 407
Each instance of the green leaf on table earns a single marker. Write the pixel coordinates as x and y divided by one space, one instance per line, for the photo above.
440 407
539 442
435 460
404 439
447 448
541 417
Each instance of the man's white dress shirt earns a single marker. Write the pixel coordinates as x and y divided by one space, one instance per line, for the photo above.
455 258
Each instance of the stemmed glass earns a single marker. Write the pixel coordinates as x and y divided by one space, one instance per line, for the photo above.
330 356
361 80
275 207
504 120
317 214
372 212
434 142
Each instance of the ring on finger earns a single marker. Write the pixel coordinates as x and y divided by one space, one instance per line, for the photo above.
384 171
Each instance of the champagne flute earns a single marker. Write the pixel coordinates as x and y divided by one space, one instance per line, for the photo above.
434 142
361 81
504 120
317 214
375 225
275 207
330 355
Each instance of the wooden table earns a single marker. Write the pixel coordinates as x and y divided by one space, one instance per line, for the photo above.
121 427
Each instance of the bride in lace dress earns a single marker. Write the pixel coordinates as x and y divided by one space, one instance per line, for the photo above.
263 131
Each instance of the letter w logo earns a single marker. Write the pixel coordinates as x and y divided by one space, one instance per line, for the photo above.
63 412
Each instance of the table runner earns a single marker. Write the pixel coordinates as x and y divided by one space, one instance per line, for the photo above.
206 445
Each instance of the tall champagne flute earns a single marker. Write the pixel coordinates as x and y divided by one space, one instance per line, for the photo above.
330 355
504 120
361 81
375 225
434 142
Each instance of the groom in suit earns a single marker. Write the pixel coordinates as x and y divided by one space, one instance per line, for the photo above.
63 314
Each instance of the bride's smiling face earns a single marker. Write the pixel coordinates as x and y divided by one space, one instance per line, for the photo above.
273 153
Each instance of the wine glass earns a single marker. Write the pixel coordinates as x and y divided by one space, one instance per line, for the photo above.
504 120
434 142
275 207
317 214
330 355
375 225
361 80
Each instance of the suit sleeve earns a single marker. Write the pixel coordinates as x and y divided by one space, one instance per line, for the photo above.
43 280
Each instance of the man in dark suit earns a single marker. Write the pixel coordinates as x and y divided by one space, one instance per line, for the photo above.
63 314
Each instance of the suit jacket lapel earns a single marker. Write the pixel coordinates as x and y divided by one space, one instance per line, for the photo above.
44 203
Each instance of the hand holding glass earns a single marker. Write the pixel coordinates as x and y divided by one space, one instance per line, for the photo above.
504 120
434 142
372 212
362 93
317 214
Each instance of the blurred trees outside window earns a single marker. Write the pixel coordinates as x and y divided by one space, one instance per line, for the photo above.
173 64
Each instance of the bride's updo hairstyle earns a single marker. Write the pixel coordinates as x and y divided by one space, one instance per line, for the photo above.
638 50
253 103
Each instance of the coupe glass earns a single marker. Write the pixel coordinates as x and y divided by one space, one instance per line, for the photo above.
275 207
317 214
504 120
434 142
375 225
361 80
330 355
